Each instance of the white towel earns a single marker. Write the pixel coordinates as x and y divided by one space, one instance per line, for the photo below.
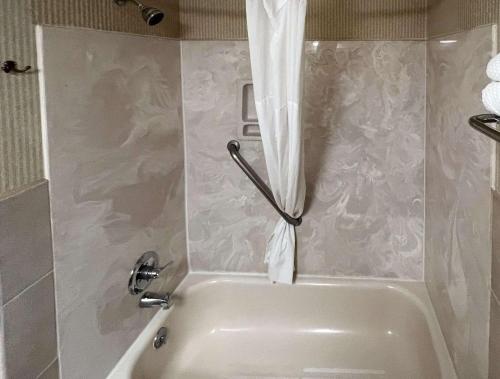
491 97
493 69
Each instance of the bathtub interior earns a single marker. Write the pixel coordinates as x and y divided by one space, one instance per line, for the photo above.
244 327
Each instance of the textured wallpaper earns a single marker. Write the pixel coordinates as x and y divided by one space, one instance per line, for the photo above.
451 16
346 19
105 15
364 115
20 133
326 20
458 238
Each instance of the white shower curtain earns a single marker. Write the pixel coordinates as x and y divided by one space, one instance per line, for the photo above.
276 37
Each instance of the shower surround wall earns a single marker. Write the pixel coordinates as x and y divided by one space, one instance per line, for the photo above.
115 157
364 119
458 198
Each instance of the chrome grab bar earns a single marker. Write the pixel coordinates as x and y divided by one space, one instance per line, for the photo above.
234 150
480 123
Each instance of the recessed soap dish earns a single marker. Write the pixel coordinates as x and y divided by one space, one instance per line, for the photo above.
248 128
248 111
251 131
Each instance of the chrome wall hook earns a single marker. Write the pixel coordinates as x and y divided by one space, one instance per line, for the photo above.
11 67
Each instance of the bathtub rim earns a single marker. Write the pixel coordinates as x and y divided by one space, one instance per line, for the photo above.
414 291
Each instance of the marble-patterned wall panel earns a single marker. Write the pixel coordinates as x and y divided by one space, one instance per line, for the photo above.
458 198
364 114
115 149
228 219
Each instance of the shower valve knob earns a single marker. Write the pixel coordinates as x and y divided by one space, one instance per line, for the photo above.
146 269
149 273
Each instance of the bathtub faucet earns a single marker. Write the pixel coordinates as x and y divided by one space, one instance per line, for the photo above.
152 299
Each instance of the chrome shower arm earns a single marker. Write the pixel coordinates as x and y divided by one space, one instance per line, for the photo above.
139 4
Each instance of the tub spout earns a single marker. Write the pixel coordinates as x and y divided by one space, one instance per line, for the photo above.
151 299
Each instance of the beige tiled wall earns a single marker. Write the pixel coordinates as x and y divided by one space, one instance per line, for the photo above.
30 330
2 338
51 372
26 259
495 338
27 307
495 293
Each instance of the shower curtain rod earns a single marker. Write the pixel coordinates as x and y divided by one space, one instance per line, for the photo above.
234 150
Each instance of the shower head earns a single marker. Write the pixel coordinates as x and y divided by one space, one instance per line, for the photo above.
151 15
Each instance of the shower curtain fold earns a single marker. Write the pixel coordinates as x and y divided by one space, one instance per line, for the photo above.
276 38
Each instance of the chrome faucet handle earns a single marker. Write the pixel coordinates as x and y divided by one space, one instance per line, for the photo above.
146 269
151 272
152 299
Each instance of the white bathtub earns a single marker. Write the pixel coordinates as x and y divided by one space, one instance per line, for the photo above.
243 327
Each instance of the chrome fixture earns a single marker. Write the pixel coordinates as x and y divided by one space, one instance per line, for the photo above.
152 300
151 15
146 269
11 67
480 123
234 150
160 338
